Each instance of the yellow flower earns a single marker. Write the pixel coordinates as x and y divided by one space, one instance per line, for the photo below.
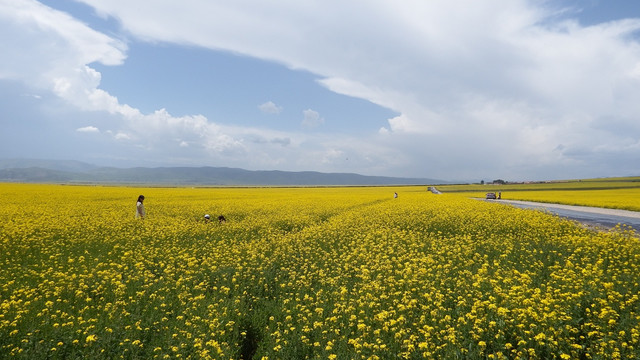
91 338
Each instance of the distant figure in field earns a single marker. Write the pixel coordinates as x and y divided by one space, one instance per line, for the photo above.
207 218
395 195
221 219
499 194
140 213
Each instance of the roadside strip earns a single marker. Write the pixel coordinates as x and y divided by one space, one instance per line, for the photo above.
587 209
588 215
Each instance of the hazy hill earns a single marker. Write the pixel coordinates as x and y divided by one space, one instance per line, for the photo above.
62 165
36 174
77 172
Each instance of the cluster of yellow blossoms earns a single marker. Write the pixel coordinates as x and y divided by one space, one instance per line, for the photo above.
294 273
614 193
624 199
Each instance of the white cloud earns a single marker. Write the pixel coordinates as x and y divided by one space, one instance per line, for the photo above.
55 48
64 70
331 155
34 96
270 108
311 119
122 136
477 80
88 129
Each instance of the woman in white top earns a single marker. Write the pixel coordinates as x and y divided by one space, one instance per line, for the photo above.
140 207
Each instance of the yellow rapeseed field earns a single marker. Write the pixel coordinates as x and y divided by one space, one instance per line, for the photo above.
614 193
626 199
316 273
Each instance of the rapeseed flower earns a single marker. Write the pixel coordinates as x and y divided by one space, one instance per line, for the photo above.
307 273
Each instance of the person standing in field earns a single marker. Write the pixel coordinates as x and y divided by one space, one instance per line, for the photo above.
140 213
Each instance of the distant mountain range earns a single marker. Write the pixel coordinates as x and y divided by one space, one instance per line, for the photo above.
62 171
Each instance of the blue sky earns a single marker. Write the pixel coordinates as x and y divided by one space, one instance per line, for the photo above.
519 90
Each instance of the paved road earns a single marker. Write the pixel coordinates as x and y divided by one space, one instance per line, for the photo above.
601 217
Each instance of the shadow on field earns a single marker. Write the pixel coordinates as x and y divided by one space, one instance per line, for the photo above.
249 344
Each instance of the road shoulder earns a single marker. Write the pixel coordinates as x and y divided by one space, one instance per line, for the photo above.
586 209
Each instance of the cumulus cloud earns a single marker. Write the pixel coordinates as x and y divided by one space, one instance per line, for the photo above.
55 47
53 51
270 108
331 155
88 129
311 119
122 136
505 81
539 72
